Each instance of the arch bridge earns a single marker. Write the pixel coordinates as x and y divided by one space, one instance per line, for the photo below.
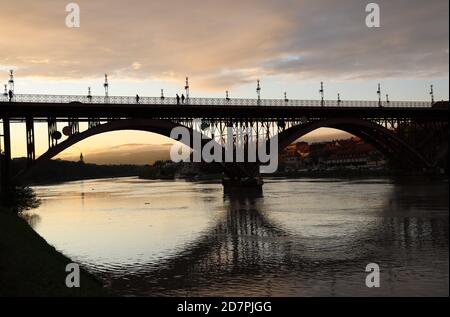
412 134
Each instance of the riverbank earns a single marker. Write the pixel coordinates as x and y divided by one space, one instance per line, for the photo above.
344 174
58 171
29 266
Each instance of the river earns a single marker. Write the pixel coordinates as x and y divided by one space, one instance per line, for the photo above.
302 237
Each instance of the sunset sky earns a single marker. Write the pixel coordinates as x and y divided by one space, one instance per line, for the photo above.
291 45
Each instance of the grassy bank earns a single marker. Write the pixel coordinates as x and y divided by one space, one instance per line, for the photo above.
29 266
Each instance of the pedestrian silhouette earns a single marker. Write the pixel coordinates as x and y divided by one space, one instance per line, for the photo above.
178 99
182 98
10 95
137 98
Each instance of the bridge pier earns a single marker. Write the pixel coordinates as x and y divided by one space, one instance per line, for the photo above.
253 184
242 177
5 159
31 153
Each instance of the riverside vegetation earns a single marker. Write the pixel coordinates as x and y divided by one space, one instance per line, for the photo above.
29 266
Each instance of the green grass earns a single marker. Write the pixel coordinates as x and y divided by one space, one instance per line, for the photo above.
29 266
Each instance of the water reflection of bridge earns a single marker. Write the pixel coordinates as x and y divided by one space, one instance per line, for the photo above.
248 248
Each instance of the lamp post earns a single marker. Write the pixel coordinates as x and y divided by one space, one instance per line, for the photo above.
106 86
379 95
186 88
432 94
339 99
11 80
321 91
258 91
89 96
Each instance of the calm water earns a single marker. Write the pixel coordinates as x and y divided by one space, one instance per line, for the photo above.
302 238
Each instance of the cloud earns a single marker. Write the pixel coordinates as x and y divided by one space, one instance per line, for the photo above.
225 43
136 65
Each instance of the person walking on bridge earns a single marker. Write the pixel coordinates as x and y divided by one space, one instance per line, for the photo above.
178 99
10 95
137 98
182 98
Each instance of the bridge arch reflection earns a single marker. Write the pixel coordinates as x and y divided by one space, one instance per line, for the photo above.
247 245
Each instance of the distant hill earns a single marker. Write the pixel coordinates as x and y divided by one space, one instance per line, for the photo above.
55 171
136 154
142 154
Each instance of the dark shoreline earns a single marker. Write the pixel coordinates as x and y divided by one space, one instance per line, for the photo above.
68 180
29 266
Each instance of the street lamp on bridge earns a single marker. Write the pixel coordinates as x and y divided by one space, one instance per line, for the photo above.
186 88
387 98
285 97
258 91
432 94
11 80
106 86
321 91
339 99
89 96
379 95
162 94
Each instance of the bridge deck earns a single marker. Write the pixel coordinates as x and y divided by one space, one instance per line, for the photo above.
61 107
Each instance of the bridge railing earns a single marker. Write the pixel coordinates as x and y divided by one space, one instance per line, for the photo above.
211 101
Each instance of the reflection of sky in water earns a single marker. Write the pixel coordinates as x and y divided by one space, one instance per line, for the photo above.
304 237
110 223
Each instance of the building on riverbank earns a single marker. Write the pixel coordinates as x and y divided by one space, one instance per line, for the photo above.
338 154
